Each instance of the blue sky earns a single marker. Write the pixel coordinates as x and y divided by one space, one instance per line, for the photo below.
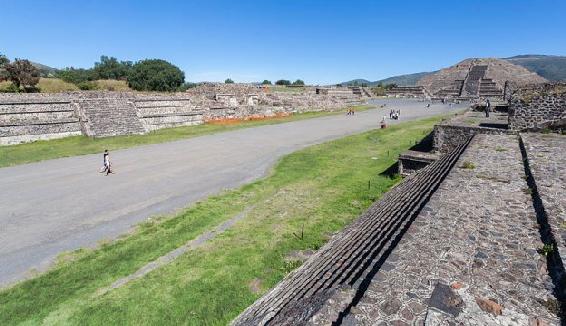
318 41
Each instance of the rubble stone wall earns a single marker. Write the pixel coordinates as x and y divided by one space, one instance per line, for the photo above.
29 117
447 137
538 107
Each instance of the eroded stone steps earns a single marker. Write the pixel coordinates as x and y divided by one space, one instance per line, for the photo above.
376 229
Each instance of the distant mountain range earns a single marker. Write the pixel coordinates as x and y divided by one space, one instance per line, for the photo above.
551 67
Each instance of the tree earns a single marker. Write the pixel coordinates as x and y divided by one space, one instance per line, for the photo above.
266 82
23 74
76 75
228 81
299 82
155 75
111 68
3 62
283 82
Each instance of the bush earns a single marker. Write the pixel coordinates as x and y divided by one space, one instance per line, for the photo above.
10 88
228 81
266 82
86 86
283 82
76 76
155 75
185 86
299 82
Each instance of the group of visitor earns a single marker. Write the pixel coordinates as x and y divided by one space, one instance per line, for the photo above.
394 114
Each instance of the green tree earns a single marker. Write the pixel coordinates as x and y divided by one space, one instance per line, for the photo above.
23 74
228 81
299 82
282 82
76 75
3 62
111 68
155 75
266 82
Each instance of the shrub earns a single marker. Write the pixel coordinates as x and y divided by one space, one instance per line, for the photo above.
76 76
185 86
228 81
9 88
468 165
299 82
86 86
155 75
283 82
266 82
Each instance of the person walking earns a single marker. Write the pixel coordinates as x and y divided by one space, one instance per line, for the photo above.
487 108
106 161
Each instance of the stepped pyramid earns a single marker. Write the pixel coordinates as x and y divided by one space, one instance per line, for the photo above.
484 77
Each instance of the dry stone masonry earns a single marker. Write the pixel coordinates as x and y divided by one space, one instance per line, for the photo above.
538 107
29 117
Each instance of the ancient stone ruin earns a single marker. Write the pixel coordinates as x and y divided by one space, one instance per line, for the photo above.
29 117
472 236
472 78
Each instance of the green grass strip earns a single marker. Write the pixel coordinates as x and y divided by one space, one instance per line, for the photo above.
315 191
81 145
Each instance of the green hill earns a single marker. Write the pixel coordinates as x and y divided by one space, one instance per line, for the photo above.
551 67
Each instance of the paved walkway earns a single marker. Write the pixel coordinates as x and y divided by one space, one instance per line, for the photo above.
470 257
59 205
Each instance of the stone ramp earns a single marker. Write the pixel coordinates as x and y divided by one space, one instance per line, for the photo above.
337 270
470 257
104 117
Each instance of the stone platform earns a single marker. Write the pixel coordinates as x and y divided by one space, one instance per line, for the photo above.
471 255
469 248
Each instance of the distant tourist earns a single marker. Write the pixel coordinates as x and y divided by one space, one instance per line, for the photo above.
487 108
106 161
383 124
428 105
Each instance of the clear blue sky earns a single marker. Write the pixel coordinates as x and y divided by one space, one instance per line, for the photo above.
318 41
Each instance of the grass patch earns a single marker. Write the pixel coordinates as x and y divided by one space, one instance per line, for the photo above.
468 165
55 85
314 192
81 145
111 85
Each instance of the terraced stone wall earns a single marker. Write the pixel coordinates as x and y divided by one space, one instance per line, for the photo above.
538 107
29 117
35 117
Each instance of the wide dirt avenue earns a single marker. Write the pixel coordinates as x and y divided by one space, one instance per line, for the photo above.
54 206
